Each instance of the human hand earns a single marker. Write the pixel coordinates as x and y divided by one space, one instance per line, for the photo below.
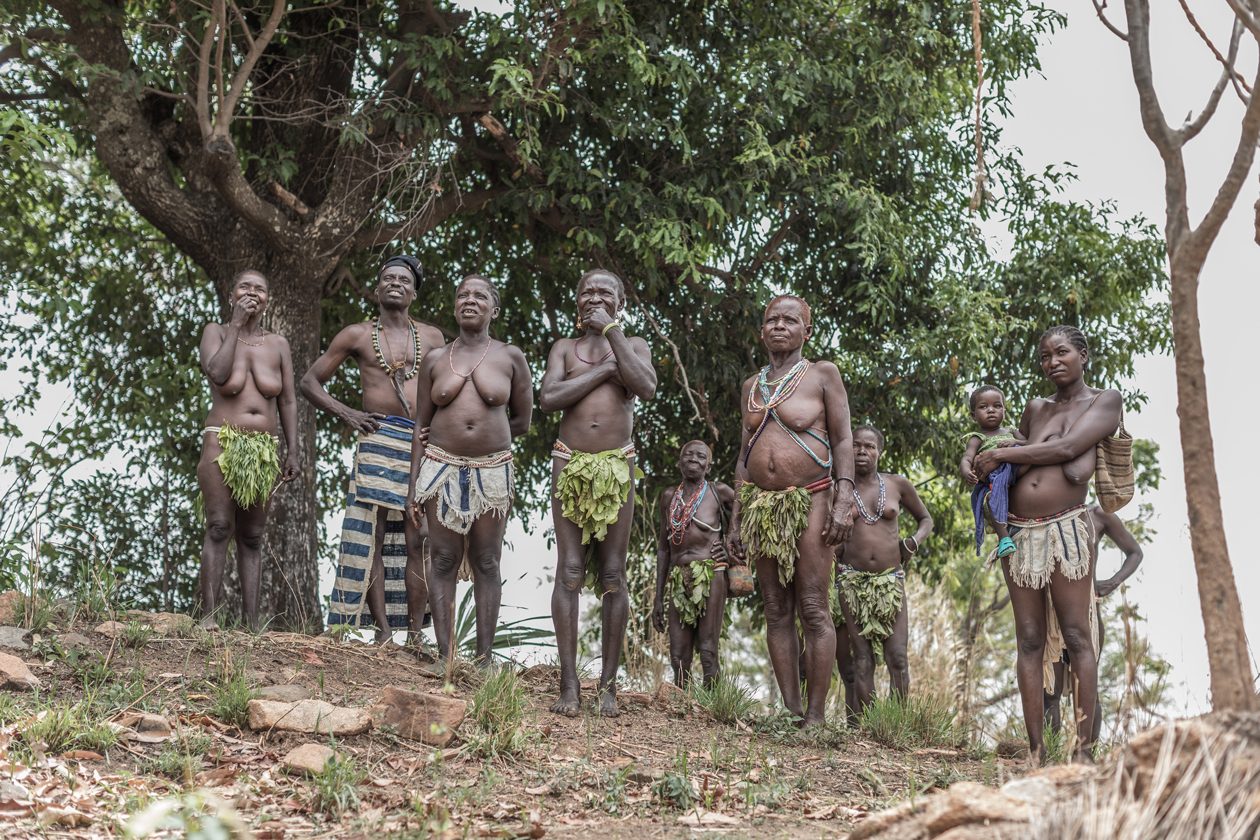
839 522
597 317
422 436
985 463
735 551
906 552
969 473
658 615
717 550
243 308
1003 444
364 422
292 467
1105 587
415 510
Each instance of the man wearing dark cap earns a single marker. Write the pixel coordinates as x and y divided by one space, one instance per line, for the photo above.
381 563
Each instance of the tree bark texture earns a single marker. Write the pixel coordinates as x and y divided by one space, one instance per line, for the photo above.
1229 663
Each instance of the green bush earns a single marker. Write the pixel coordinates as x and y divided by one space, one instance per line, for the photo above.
915 721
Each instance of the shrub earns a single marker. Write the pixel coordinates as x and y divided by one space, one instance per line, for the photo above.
915 721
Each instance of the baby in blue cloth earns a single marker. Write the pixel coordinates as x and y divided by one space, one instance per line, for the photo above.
990 498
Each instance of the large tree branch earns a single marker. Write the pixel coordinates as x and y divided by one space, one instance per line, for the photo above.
509 145
1139 40
1100 8
1246 15
1244 155
127 144
257 45
433 214
230 183
1167 142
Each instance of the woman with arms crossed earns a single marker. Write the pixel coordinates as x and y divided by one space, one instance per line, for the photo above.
1049 575
251 375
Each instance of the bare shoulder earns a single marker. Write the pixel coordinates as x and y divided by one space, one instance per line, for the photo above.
724 491
277 340
828 372
667 496
1109 398
638 342
430 336
212 329
903 484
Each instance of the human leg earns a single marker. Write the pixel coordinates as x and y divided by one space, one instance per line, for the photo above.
709 632
1029 607
251 524
862 662
610 554
485 548
1051 699
570 573
220 510
781 639
811 585
417 579
845 665
895 651
1073 605
446 549
681 646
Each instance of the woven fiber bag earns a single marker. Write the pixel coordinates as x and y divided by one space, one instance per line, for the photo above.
1113 474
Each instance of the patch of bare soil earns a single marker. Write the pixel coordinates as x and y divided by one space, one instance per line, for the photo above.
663 768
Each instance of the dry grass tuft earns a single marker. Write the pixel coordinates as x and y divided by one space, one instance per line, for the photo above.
1190 780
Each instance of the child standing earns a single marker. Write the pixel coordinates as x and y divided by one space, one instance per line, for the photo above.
989 499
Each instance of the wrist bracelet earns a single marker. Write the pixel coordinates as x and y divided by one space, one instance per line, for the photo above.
611 325
845 478
906 543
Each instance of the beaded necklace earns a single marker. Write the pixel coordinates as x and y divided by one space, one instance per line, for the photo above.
866 515
450 359
682 511
784 387
393 369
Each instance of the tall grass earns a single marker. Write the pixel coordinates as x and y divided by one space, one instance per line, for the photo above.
726 701
920 720
498 715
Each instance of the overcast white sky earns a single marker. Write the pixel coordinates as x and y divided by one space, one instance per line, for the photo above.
1083 109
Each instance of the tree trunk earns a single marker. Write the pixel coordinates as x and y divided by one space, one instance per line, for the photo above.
1228 660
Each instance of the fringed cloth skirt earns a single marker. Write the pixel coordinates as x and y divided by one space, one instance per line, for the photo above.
1043 546
465 488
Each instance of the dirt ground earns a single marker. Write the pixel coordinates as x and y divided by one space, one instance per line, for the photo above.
618 778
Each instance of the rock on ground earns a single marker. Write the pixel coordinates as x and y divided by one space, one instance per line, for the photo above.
14 638
431 718
290 693
15 675
12 604
308 758
308 716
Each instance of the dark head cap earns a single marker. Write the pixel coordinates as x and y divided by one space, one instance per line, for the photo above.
408 262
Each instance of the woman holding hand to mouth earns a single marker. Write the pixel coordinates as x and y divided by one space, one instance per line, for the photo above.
251 385
1049 575
475 395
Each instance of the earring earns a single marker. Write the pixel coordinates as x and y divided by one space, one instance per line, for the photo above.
579 323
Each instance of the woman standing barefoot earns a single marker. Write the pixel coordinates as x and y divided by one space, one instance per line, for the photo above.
251 375
1049 575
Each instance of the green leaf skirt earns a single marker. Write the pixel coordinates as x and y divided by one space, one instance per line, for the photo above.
250 463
